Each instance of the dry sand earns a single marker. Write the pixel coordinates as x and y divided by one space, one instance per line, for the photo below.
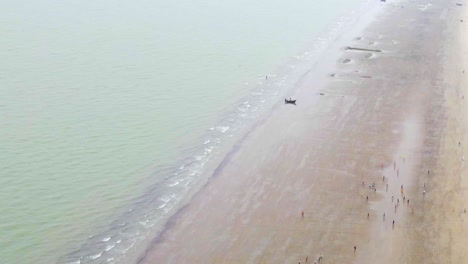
402 105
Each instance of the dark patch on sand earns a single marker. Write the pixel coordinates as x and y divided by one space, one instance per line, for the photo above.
346 61
362 49
366 76
332 75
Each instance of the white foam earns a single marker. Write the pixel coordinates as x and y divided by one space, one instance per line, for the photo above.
222 129
165 199
173 184
208 150
109 247
95 256
106 239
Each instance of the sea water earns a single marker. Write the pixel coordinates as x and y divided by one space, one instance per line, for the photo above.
112 113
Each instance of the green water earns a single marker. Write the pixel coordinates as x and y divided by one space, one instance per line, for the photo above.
94 95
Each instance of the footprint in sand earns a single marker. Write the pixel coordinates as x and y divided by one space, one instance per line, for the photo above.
357 38
368 55
332 75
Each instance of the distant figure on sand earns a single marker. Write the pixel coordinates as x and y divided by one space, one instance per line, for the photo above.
302 214
354 249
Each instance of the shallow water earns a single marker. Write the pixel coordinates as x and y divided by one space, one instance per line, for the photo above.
111 110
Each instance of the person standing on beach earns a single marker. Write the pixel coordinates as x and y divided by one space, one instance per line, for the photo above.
302 214
354 249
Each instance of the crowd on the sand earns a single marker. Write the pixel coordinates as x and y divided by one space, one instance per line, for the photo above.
397 202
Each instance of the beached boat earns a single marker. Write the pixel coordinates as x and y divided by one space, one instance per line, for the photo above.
286 101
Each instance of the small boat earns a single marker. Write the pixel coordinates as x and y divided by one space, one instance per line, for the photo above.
286 101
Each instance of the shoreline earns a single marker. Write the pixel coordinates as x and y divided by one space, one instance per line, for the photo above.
252 211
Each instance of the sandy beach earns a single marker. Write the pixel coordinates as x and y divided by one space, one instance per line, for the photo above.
383 106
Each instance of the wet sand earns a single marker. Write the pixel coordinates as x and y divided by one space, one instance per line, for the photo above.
395 114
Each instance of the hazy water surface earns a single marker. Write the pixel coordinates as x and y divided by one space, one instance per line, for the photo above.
110 109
